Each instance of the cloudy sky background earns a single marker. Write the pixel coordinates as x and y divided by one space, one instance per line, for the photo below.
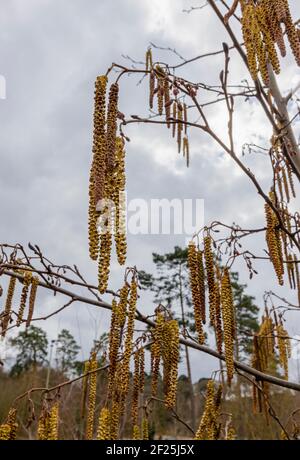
50 53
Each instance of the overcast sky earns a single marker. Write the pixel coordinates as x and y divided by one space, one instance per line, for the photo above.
51 52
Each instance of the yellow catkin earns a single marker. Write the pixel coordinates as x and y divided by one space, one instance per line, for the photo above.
32 297
231 435
8 305
5 432
202 432
273 241
228 322
114 341
119 202
210 273
103 433
218 318
284 348
112 112
115 419
104 258
135 389
24 293
129 337
145 429
53 423
91 398
43 426
141 370
84 387
201 284
123 305
173 359
156 351
194 264
136 434
12 422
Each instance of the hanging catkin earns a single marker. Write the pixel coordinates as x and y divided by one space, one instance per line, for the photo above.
104 425
228 322
210 273
171 359
273 240
112 112
53 423
119 203
114 341
91 398
197 287
32 297
129 337
84 387
8 305
24 293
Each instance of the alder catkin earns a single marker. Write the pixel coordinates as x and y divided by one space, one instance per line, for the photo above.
104 425
91 397
53 423
195 265
32 297
274 241
228 322
173 359
112 112
210 273
24 293
8 305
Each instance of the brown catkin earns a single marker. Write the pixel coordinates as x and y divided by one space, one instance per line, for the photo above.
210 273
123 305
24 293
91 398
32 297
141 370
179 126
149 62
197 296
201 284
103 433
8 305
99 138
119 202
112 112
218 318
284 348
167 101
228 322
151 88
174 116
156 350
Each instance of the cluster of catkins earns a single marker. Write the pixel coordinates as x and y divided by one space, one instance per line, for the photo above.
120 352
29 281
166 92
270 337
282 194
107 183
264 24
48 423
165 351
221 307
210 427
279 242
